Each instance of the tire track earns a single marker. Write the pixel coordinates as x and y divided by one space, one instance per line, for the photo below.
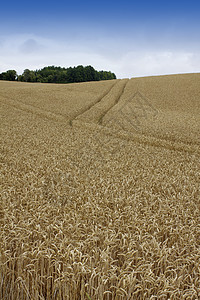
116 101
97 111
59 117
32 109
92 104
141 138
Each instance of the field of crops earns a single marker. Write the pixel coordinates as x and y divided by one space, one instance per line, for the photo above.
100 189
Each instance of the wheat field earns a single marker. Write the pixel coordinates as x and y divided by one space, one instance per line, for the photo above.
100 189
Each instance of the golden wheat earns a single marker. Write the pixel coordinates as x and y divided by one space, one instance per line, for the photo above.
100 212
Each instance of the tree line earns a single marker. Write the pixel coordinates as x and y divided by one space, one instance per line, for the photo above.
54 74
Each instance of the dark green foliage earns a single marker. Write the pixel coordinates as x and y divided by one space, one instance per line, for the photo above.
54 74
28 76
104 75
10 75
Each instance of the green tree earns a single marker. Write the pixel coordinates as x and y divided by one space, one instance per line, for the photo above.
28 76
79 74
91 74
70 75
10 75
53 74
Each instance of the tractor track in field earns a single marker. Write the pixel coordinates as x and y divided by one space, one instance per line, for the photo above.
59 117
124 135
96 112
116 101
92 104
48 114
143 139
32 109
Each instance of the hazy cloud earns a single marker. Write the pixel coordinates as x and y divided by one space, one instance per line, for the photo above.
29 51
158 63
30 46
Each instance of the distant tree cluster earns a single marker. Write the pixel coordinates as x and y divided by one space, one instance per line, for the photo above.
54 74
10 75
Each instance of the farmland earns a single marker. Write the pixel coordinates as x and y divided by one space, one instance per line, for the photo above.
100 189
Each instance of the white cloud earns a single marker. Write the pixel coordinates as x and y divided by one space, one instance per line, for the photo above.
29 51
146 63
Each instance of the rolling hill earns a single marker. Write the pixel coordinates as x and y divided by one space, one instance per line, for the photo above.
100 189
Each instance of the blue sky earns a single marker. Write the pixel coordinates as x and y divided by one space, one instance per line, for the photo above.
130 38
